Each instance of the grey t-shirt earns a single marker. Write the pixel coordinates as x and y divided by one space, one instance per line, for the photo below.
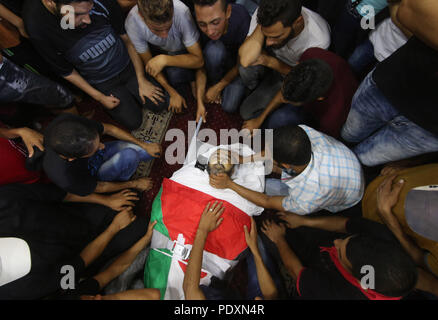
182 34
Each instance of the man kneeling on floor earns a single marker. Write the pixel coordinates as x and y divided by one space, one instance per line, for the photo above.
318 173
78 162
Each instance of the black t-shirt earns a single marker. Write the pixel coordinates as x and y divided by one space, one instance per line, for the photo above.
14 5
97 52
409 80
323 280
55 231
238 27
71 176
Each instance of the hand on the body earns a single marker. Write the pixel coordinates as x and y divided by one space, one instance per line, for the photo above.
143 184
146 89
220 181
177 102
123 219
122 200
109 102
153 149
211 217
251 236
150 231
274 231
156 65
30 139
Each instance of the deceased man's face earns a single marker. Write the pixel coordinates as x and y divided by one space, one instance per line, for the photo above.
221 161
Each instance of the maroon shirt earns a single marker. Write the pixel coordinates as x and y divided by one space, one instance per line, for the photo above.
331 113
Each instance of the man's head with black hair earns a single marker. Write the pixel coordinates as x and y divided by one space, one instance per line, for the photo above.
212 17
310 80
280 20
291 146
158 15
81 11
73 139
395 273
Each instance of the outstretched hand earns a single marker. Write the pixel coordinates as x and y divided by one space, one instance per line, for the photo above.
251 237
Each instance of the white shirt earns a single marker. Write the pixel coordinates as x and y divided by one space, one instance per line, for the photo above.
386 39
316 33
182 34
249 175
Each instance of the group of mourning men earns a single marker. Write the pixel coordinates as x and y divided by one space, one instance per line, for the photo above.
337 98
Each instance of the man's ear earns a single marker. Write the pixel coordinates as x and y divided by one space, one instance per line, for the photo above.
298 24
228 11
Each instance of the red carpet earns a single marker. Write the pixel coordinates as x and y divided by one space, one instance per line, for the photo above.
216 120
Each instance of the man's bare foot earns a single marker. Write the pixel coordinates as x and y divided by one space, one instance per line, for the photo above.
143 184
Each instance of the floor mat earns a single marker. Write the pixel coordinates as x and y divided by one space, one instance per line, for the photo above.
153 129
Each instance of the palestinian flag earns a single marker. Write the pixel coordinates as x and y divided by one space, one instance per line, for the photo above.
178 209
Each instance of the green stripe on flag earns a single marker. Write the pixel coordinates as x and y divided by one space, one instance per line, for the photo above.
156 270
157 214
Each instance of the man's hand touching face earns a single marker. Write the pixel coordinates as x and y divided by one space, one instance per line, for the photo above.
220 181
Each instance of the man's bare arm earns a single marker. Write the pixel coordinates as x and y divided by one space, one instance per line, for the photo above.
110 102
251 49
125 259
421 18
223 181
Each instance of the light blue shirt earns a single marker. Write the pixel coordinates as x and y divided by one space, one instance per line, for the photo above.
333 179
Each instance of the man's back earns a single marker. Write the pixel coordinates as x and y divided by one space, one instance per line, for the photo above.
332 181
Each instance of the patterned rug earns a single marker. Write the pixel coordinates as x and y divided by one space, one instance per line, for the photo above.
153 129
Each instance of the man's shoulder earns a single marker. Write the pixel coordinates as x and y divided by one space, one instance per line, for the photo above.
240 11
317 28
133 16
33 14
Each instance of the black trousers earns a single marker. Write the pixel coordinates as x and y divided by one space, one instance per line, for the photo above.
125 87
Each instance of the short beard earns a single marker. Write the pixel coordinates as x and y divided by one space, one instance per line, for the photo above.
284 42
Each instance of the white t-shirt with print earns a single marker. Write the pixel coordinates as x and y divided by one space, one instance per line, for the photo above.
316 34
182 34
386 39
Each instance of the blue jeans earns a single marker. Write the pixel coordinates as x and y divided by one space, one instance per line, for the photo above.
21 85
383 134
254 290
218 61
118 161
178 76
362 57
